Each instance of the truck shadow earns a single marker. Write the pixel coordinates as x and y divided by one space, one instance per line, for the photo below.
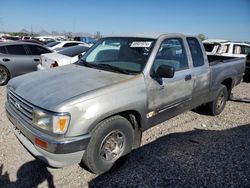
30 174
198 158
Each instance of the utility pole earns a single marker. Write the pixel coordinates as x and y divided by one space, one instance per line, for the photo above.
31 30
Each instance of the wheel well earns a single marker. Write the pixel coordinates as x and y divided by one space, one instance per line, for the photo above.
228 83
133 117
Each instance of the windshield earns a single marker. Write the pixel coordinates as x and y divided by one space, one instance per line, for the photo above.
125 55
73 51
51 44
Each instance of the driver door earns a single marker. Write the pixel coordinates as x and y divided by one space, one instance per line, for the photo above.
166 96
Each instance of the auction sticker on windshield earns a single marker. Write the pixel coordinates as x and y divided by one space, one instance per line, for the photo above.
141 44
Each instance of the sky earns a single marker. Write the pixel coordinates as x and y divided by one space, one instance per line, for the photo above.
217 19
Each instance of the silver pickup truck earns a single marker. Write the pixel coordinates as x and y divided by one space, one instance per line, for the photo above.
94 112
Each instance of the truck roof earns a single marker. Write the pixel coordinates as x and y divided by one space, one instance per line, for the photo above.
146 35
211 41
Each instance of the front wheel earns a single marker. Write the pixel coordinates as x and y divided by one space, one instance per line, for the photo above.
112 139
4 75
217 106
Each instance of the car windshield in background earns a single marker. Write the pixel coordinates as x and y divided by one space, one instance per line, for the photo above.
122 54
51 44
73 51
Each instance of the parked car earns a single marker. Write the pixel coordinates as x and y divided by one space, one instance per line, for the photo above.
212 45
45 39
32 41
63 57
234 49
63 44
247 71
94 111
87 40
18 58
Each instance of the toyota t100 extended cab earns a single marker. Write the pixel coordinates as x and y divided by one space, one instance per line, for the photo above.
94 112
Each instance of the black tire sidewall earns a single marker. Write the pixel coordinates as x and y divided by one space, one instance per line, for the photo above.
8 75
93 159
217 111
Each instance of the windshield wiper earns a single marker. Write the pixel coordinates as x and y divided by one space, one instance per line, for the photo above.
111 67
85 63
103 66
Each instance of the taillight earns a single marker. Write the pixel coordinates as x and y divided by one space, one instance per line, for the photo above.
55 64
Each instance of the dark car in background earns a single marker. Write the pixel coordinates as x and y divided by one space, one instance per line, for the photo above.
17 58
247 72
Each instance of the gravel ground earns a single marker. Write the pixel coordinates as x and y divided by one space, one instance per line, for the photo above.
190 150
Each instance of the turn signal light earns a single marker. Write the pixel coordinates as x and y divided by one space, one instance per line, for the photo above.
41 143
55 64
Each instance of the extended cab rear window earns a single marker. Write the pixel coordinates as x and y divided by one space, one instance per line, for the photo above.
196 52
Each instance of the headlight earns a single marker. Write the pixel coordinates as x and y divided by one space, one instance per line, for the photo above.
54 123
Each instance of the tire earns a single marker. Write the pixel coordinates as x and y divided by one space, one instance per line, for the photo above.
4 75
110 140
218 105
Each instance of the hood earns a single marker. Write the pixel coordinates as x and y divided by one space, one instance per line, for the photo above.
49 88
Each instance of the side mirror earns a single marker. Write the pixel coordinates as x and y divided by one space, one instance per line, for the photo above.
79 56
165 71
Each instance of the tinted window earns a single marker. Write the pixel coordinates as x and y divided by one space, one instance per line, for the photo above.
172 53
67 45
2 50
196 51
16 49
209 47
73 51
37 50
51 44
74 44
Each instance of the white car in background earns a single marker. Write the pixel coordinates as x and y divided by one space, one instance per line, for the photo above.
63 57
212 45
63 44
234 49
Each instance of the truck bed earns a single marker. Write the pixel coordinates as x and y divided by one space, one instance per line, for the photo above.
233 65
214 59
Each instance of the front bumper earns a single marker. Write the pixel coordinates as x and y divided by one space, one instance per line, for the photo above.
60 151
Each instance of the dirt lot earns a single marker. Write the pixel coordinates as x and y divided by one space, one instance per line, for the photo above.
188 150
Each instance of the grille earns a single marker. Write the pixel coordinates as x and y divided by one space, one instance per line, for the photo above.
21 107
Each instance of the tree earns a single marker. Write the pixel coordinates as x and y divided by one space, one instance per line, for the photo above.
202 37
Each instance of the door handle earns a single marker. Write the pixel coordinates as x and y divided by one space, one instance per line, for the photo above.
36 59
6 59
188 77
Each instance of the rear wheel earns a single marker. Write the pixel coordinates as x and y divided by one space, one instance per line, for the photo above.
112 139
217 106
4 75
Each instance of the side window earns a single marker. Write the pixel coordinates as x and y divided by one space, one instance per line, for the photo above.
37 50
67 45
237 49
16 50
223 49
240 49
196 52
247 50
74 44
2 50
172 53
